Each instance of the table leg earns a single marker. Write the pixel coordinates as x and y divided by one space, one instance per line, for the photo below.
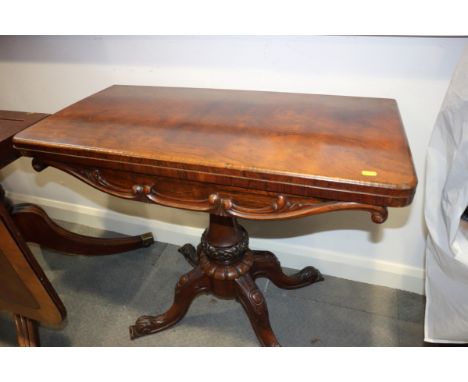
267 265
190 254
225 267
36 226
253 302
26 331
189 286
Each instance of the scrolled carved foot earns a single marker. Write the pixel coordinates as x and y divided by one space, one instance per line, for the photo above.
308 275
190 254
189 286
267 265
146 325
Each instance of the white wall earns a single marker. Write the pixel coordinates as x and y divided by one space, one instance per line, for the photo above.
46 74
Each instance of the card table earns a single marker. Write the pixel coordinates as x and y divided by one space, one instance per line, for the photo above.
232 154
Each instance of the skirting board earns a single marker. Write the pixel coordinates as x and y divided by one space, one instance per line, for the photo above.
350 267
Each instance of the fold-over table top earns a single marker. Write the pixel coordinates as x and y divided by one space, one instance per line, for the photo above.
12 122
322 141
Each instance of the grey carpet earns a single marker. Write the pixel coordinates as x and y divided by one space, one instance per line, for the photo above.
104 295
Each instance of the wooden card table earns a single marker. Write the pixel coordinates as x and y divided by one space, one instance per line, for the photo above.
232 154
25 290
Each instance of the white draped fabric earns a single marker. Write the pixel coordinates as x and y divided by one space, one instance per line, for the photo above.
446 197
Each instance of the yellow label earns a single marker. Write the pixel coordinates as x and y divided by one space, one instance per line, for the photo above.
369 173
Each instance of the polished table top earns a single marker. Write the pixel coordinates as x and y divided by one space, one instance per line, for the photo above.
299 144
12 122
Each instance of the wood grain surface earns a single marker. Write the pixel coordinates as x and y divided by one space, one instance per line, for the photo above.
12 122
25 289
249 139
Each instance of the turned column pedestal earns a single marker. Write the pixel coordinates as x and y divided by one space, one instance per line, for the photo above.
225 267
